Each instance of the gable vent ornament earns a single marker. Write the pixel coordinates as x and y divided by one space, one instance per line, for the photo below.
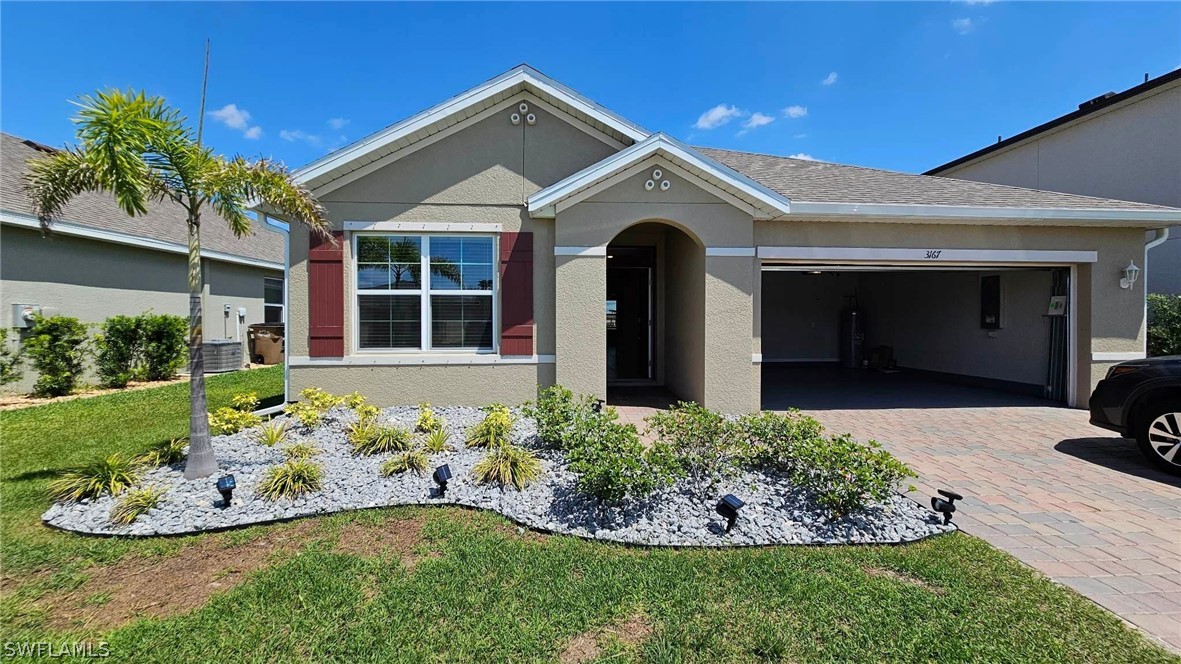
656 177
523 112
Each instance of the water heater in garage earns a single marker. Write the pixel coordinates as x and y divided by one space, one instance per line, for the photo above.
852 336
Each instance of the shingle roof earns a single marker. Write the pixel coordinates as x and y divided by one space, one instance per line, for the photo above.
803 180
164 221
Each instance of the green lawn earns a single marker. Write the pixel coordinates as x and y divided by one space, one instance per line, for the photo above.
446 584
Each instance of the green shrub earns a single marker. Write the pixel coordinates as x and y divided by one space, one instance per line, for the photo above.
355 401
305 413
507 464
245 401
845 475
319 399
273 433
706 444
554 412
774 438
414 460
118 349
291 479
386 439
226 420
611 463
494 429
367 412
436 441
57 347
11 358
113 475
427 420
163 345
136 503
1164 325
164 453
300 451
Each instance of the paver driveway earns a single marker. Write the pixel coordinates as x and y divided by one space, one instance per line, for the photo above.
1065 497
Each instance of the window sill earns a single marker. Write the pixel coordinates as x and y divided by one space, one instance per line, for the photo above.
418 359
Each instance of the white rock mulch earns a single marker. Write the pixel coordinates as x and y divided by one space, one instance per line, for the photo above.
775 511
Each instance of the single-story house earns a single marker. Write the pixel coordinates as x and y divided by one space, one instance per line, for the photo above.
1124 145
98 262
520 234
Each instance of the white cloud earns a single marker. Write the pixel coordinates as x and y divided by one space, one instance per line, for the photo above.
830 79
236 118
294 135
800 136
977 2
757 120
338 123
717 116
804 156
963 25
795 111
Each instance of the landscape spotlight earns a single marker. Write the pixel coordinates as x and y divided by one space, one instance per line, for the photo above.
945 507
597 406
442 476
728 507
225 486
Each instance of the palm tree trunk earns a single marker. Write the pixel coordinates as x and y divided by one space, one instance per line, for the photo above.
200 462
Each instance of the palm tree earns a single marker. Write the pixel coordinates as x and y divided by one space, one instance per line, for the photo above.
138 149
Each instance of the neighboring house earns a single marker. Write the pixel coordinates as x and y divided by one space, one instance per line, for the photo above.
520 234
98 262
1125 146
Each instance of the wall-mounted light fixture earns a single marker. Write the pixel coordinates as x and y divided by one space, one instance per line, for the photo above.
1129 275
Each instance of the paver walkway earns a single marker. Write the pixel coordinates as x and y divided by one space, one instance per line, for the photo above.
1041 483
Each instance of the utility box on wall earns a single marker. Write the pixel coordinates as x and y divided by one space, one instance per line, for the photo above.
23 315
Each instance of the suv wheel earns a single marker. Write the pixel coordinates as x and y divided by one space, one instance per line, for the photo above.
1159 435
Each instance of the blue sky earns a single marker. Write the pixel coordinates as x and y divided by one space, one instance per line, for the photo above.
904 86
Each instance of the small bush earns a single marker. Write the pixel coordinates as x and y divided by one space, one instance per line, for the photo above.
163 345
300 451
611 463
319 399
367 412
226 420
111 475
355 400
273 433
291 479
57 347
427 420
306 414
554 412
164 453
845 475
387 439
362 431
414 460
494 429
707 445
11 359
118 345
774 438
136 503
436 441
507 464
245 401
1164 325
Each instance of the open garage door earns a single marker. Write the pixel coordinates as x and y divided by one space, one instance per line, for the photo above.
904 336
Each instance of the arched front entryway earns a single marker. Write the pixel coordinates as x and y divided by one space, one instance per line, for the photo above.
655 310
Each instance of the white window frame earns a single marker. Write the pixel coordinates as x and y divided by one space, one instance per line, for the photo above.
424 293
282 305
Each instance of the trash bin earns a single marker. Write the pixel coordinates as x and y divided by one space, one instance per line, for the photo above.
266 343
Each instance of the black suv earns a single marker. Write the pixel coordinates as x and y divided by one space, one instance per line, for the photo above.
1141 399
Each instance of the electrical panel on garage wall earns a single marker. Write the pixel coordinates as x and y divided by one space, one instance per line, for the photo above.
990 302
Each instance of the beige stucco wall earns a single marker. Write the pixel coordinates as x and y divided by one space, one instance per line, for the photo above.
92 281
581 286
1130 151
729 318
476 385
684 328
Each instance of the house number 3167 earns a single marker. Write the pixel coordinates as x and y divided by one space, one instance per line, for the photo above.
934 253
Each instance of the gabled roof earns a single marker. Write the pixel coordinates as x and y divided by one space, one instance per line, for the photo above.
522 78
767 204
164 226
1084 109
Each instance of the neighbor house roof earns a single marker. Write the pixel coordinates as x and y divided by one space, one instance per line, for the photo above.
97 216
1084 109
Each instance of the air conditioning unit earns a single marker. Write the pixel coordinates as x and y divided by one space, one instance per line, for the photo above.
222 355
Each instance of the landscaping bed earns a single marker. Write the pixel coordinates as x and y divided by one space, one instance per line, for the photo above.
677 512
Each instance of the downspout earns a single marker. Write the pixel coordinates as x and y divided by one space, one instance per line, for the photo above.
1159 236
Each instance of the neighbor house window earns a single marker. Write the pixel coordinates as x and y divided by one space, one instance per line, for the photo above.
425 292
272 297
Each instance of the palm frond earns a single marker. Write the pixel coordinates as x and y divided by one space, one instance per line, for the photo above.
271 183
52 181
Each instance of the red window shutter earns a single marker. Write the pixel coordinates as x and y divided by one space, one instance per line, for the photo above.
326 296
516 293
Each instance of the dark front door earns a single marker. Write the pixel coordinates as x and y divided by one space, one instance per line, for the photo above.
629 319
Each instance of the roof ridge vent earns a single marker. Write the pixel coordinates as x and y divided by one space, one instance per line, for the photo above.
1096 101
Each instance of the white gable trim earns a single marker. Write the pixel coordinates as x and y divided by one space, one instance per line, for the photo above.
505 82
544 204
664 164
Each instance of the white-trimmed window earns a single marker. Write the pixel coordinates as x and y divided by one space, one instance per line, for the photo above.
272 296
425 292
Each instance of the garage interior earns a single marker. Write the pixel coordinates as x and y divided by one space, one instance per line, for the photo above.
860 336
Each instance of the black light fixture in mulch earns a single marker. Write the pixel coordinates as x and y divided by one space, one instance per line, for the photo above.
945 507
442 476
728 507
225 486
